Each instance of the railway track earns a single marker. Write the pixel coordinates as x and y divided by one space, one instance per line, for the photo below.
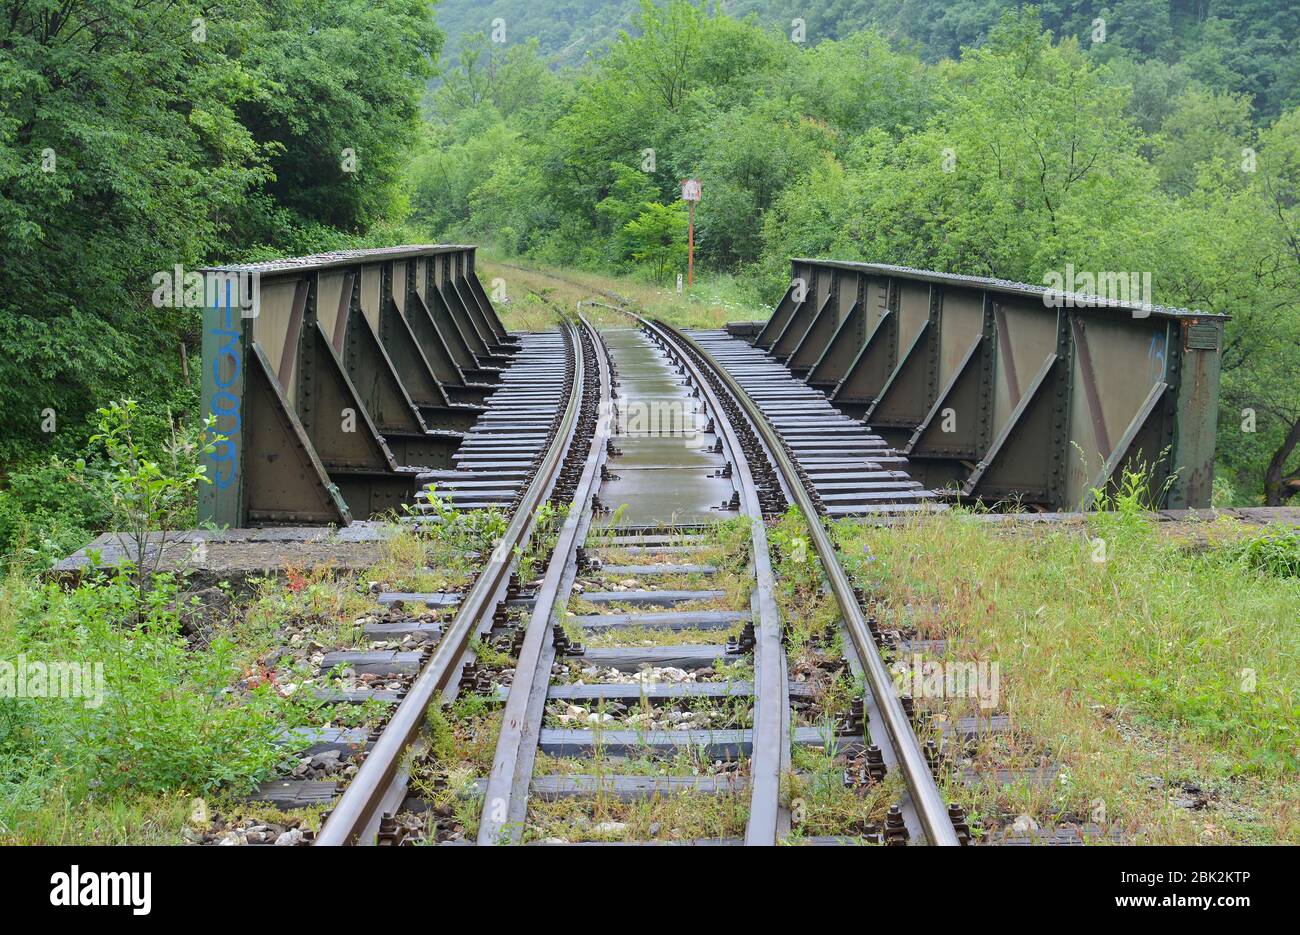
654 638
626 663
642 673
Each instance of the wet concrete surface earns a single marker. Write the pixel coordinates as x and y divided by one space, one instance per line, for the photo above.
665 472
237 556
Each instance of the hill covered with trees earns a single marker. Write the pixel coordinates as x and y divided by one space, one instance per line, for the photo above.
1247 47
1032 150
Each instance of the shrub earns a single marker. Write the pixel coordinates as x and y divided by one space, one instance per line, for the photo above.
166 719
1274 551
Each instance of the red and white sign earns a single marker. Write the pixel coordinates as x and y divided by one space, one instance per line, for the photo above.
691 190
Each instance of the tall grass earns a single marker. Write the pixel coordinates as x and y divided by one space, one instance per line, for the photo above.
1125 653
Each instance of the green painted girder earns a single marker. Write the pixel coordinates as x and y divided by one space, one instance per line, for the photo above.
1112 383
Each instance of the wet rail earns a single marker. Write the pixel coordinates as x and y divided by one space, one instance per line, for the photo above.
378 786
642 661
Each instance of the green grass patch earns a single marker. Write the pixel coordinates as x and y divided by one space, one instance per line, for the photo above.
1136 662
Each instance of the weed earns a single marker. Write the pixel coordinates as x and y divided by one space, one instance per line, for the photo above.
1273 551
1151 664
147 496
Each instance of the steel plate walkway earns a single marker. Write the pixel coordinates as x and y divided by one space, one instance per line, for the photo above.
854 471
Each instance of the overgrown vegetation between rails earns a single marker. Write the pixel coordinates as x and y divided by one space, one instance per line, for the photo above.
820 802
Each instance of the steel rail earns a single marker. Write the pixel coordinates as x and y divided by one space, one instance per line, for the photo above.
929 804
770 752
359 804
505 798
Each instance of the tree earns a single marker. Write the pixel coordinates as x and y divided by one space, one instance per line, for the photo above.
1027 163
1204 125
1233 246
626 201
140 134
339 100
511 80
147 498
121 153
657 238
749 156
1262 360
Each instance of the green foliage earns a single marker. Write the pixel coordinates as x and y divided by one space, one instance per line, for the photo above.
165 720
1132 496
1274 551
337 78
458 531
797 566
567 30
748 157
48 510
509 80
1184 645
1033 147
656 238
145 495
1230 246
630 191
1203 127
1247 48
1028 162
135 136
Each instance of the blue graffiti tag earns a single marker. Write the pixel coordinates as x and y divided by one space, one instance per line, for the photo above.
225 403
1156 352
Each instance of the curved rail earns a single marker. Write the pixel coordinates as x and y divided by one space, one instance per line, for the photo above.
930 808
770 755
505 798
360 803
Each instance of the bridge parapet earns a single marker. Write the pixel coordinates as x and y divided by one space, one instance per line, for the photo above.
1000 390
333 376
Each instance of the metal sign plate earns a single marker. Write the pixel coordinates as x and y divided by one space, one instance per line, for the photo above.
1202 336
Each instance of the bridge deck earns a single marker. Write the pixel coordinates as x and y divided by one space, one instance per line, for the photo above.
854 471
